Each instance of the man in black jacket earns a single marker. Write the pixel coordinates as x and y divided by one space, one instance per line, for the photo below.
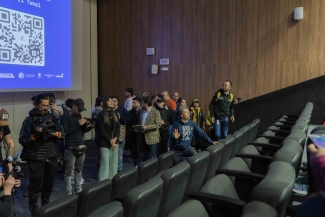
166 120
38 136
221 110
74 126
124 117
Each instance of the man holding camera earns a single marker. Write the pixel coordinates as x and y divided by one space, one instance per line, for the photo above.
5 135
74 126
38 136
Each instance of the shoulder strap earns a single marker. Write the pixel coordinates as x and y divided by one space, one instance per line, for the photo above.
218 94
231 97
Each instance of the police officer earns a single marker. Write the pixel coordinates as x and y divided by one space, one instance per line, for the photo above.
38 136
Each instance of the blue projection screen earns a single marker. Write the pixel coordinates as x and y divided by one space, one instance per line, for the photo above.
36 48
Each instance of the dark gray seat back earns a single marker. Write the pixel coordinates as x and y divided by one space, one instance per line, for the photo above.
237 164
257 209
113 209
276 188
93 197
199 164
219 185
147 170
238 135
165 161
245 136
257 121
123 182
65 206
191 208
249 149
175 182
228 143
144 200
291 152
216 152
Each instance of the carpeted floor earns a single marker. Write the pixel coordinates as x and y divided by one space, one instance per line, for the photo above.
90 174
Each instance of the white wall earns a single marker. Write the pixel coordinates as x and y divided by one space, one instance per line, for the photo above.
18 104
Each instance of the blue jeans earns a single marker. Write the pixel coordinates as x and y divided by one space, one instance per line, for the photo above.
221 128
152 151
120 155
182 155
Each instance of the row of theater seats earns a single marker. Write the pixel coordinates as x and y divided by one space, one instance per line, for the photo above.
220 177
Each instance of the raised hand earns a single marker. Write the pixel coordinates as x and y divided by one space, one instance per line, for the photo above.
176 133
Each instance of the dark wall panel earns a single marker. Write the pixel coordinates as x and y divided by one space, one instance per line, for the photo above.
290 100
255 44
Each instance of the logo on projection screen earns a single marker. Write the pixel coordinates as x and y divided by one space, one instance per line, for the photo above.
22 38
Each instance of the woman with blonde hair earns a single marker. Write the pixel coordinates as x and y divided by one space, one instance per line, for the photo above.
107 132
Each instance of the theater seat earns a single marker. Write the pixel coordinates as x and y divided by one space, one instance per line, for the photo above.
165 161
258 209
144 200
228 143
290 152
147 170
216 152
66 206
275 189
199 164
175 181
191 208
245 137
123 182
93 197
113 209
238 135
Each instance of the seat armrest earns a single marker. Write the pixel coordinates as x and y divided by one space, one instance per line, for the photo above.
240 174
292 119
288 127
280 131
280 139
265 145
260 158
291 123
217 200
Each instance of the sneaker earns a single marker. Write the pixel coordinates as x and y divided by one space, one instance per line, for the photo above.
69 193
77 192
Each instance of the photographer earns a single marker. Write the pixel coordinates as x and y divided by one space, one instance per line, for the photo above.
6 202
5 135
38 136
74 126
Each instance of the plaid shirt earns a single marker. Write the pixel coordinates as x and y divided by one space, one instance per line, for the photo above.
152 124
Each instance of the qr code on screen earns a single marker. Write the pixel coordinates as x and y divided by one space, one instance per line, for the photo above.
21 38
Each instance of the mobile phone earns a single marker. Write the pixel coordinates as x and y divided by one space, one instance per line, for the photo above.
318 140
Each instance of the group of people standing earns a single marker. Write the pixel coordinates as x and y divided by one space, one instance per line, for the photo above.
145 126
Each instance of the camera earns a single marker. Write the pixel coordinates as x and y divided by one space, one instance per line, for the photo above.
91 120
48 125
16 171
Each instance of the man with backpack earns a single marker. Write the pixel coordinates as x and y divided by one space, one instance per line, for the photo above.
222 110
